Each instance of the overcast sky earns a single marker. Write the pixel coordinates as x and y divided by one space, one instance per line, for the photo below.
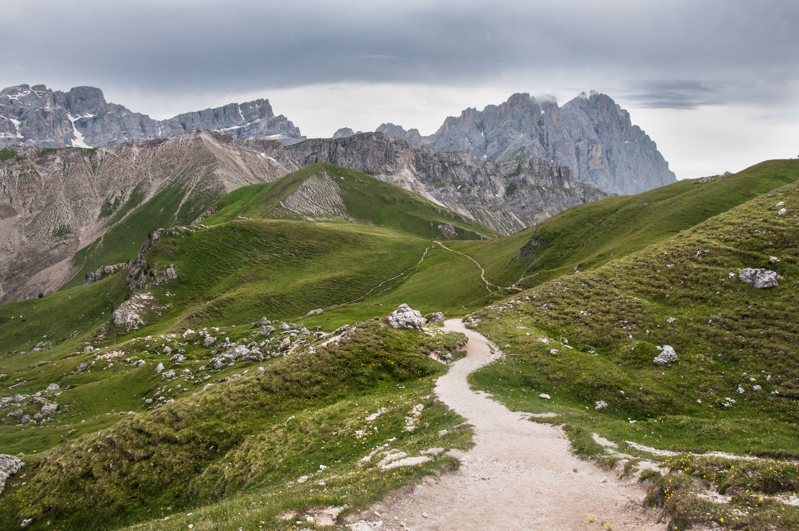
714 82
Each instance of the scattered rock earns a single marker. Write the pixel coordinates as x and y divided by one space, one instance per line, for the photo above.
41 345
756 388
544 396
262 322
26 419
159 368
671 320
285 344
15 413
167 350
168 374
26 522
82 367
317 311
284 326
137 363
601 405
759 278
435 317
666 356
781 212
49 409
88 349
266 330
405 317
209 341
773 260
52 387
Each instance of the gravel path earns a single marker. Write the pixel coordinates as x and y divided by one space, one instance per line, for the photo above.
519 475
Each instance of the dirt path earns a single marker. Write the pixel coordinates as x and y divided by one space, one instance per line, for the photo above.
488 284
519 476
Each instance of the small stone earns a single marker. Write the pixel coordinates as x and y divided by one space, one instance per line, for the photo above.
82 367
603 480
756 388
601 405
88 350
52 387
209 341
574 470
159 368
435 317
781 212
317 311
544 396
167 350
773 260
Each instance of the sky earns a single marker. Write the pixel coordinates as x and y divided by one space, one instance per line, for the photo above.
715 83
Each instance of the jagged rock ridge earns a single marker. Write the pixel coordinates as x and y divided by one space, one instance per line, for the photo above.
38 116
590 134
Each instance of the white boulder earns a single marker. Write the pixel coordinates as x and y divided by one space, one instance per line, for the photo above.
405 317
759 278
666 356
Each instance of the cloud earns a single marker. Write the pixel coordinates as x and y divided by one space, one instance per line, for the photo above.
676 94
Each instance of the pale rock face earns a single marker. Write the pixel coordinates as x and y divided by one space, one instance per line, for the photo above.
405 317
666 356
759 278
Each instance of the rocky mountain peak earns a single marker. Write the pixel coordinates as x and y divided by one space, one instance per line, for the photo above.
590 134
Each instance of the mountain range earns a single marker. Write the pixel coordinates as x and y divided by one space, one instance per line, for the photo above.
39 116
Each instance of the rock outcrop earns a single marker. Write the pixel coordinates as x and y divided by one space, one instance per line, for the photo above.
38 116
590 134
9 465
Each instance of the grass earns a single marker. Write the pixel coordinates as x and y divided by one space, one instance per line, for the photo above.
255 434
603 327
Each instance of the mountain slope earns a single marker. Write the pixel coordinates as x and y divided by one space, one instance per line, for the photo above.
326 192
506 197
591 135
105 201
587 236
38 116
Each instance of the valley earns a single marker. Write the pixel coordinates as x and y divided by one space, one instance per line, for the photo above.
242 371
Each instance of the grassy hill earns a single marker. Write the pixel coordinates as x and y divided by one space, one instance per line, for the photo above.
587 236
363 199
591 337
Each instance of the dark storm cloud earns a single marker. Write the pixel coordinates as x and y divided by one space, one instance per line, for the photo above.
727 50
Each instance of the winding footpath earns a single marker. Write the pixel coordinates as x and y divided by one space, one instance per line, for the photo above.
520 475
